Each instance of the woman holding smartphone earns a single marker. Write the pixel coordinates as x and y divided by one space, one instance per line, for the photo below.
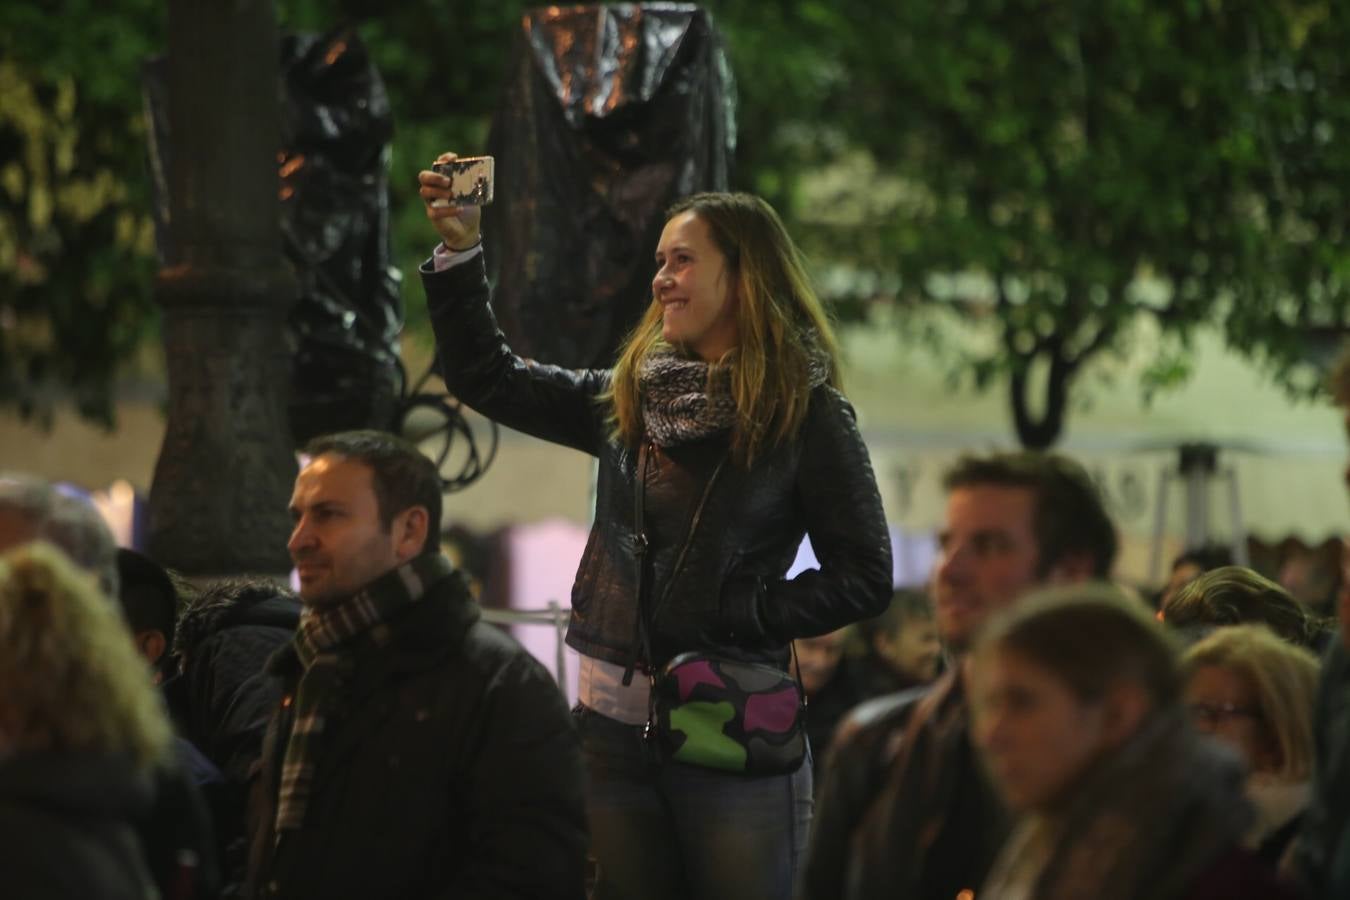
722 438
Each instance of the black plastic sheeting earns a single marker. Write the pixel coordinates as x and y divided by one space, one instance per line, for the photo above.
336 127
336 132
610 114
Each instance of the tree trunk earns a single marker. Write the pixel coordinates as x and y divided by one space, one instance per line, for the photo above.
225 471
1042 433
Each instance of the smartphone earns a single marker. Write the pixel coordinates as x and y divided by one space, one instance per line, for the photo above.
470 180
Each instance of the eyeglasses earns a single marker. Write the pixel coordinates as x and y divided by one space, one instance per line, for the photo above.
1212 714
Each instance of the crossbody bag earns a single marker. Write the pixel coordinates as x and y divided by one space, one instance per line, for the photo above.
709 710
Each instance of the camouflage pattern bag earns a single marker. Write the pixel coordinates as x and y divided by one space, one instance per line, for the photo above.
724 714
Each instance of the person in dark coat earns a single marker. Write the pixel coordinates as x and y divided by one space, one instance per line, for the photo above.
174 830
907 812
416 751
82 732
150 605
222 699
1078 714
832 686
902 648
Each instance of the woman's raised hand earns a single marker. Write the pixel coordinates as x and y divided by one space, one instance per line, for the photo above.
457 225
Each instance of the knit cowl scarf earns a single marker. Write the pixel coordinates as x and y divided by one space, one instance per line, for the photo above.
687 399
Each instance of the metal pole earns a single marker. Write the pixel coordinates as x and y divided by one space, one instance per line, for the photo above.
560 632
1239 539
1197 507
1159 526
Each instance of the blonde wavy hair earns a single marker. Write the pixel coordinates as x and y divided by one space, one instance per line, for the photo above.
70 676
782 325
1283 677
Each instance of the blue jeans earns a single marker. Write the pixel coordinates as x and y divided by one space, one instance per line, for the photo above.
685 832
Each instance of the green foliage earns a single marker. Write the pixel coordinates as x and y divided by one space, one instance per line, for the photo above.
1079 165
1052 170
75 236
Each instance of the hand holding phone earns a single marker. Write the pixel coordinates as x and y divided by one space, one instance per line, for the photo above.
470 180
455 191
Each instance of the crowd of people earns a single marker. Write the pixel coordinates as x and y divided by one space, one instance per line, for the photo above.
1020 727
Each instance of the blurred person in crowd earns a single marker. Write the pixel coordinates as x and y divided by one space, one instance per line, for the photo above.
1190 565
416 750
176 830
832 688
902 647
1310 577
222 698
33 509
723 438
906 811
1236 595
82 732
150 605
1247 687
1078 712
472 554
1322 849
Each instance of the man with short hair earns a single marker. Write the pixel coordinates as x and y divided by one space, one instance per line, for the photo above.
416 751
150 606
32 509
906 811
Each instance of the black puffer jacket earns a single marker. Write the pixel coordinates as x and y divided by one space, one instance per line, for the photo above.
223 699
716 578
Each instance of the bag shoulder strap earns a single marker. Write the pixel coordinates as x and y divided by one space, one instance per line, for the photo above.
641 644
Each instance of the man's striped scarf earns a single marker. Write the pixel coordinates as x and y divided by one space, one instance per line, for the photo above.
325 644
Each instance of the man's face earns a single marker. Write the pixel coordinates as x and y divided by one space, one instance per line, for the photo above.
913 649
988 558
337 543
818 658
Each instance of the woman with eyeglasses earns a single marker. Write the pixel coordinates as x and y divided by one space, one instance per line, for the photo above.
1255 692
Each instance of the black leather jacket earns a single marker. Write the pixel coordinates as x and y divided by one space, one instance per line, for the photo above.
718 547
905 810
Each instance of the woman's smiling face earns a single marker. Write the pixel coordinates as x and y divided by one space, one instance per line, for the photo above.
693 286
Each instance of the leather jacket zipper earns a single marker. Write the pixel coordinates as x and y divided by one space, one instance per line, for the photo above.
688 541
